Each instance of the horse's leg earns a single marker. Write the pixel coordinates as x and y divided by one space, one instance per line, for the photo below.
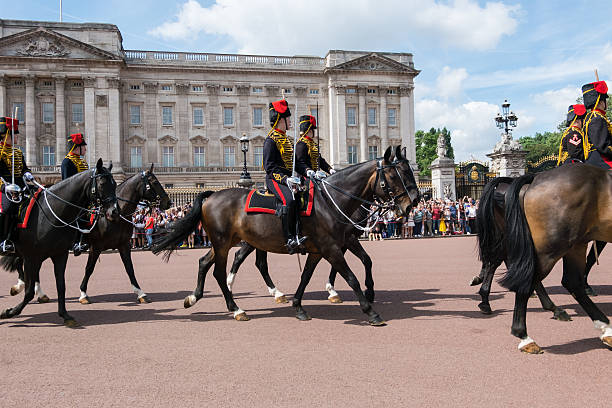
126 256
519 324
59 269
40 294
357 249
548 304
220 274
244 251
334 256
591 259
487 273
311 262
573 280
477 280
30 276
261 261
92 258
333 297
204 265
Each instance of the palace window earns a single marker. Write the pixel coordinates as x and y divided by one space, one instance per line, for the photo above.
371 90
48 155
313 91
372 116
229 156
372 152
198 116
167 115
351 90
351 116
166 87
286 91
77 113
135 87
47 83
257 117
168 156
391 117
258 89
228 89
199 156
392 91
47 112
258 156
228 116
136 157
77 84
197 88
135 115
352 154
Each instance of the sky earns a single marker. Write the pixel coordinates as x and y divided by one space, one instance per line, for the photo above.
473 54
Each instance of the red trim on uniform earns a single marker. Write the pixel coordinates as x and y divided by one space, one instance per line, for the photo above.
280 131
607 161
24 224
308 209
600 111
280 193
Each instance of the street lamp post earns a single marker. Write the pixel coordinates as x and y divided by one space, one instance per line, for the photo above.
245 178
506 119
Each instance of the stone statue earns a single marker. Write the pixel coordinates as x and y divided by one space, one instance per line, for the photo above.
448 194
441 149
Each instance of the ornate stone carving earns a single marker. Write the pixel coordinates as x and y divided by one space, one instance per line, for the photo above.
182 88
102 101
300 91
441 147
113 83
198 140
405 90
272 90
168 140
213 89
150 87
243 89
89 82
43 47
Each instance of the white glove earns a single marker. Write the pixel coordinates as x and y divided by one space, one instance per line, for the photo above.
332 171
293 183
28 176
311 173
320 174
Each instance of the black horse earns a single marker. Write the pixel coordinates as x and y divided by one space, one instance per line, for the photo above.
225 221
48 234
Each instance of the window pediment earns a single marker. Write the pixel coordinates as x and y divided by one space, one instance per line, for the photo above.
198 140
167 140
135 140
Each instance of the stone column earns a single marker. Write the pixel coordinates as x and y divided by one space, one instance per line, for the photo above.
382 115
407 122
333 118
341 127
4 110
60 119
30 118
214 153
363 125
89 112
114 125
150 123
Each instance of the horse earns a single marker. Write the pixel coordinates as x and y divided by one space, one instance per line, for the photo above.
46 236
140 188
227 224
548 217
591 260
491 205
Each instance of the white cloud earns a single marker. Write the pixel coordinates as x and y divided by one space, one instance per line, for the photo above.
315 26
450 82
554 103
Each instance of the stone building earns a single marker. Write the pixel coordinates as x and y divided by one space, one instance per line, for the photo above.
185 111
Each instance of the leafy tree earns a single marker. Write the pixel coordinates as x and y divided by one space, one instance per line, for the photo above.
426 143
541 144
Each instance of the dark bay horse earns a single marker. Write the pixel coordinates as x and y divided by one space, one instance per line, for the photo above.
491 206
49 233
226 223
548 217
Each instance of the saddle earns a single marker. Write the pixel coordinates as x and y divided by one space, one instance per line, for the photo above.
262 202
25 208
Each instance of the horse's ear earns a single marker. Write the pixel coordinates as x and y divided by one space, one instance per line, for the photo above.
388 154
398 152
99 165
110 166
151 170
404 153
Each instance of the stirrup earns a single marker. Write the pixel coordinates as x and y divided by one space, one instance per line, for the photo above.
292 246
7 247
78 248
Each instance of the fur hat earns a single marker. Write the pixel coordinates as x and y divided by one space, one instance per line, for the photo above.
76 140
594 91
278 109
307 123
575 111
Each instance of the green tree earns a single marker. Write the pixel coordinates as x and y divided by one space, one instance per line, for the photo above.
426 143
541 144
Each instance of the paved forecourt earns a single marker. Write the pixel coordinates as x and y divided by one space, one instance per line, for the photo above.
437 350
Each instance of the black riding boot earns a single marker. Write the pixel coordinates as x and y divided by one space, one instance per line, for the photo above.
79 245
288 229
6 226
294 217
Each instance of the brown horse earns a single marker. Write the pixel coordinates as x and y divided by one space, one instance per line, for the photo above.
226 223
551 216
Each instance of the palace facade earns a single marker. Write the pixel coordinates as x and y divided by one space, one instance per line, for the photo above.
185 112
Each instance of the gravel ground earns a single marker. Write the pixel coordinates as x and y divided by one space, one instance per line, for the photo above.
437 350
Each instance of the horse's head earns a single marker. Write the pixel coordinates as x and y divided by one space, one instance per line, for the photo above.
396 181
103 187
153 190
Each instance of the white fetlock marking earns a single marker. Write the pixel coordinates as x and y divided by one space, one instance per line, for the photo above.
192 300
331 290
138 292
237 312
20 285
83 295
524 342
230 280
38 290
329 286
275 292
606 329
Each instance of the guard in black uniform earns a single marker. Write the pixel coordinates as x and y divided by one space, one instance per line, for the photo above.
308 160
597 127
278 164
11 193
73 164
571 148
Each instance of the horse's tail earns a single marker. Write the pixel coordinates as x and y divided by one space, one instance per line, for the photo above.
521 257
11 263
178 231
490 234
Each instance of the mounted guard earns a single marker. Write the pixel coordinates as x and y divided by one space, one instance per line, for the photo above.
72 164
597 127
572 147
309 162
13 176
278 158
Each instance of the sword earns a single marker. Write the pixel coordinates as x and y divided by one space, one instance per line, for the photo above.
318 138
13 143
295 126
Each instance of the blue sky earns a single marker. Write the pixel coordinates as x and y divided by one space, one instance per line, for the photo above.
473 54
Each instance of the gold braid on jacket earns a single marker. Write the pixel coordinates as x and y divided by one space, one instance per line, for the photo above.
79 163
588 147
313 151
8 154
284 146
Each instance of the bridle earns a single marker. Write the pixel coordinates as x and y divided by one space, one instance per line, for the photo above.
147 200
381 179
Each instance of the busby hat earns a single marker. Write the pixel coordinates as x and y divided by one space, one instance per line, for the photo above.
594 92
76 140
575 111
7 123
278 109
307 123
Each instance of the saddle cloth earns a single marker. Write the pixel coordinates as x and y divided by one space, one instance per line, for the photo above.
25 208
262 202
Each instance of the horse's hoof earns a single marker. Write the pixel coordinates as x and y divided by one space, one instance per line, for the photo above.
43 299
303 316
14 291
71 323
562 316
281 299
242 317
534 295
476 280
6 314
85 301
607 341
144 299
335 299
189 301
485 308
377 321
531 348
590 291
